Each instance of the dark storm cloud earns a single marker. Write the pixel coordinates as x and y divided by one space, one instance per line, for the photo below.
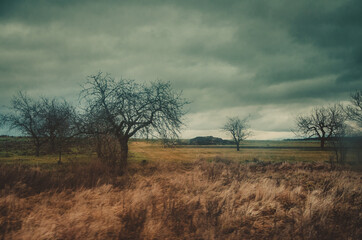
229 57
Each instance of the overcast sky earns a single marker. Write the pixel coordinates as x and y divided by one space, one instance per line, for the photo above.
268 59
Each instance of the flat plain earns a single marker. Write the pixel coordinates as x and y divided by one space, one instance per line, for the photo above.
267 190
18 150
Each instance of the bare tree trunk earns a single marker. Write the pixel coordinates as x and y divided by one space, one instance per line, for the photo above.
124 153
52 145
237 146
37 150
99 146
322 142
37 147
60 157
60 154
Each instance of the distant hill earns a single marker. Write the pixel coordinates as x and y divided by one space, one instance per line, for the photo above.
209 140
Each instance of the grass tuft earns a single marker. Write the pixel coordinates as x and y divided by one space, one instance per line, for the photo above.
216 199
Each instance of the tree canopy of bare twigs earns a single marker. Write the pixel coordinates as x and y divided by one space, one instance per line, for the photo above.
354 111
123 108
59 123
323 123
44 121
238 129
25 116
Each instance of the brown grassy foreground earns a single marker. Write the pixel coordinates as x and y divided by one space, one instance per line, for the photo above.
200 200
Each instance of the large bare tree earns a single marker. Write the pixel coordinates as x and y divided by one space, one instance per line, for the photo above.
123 108
238 129
323 123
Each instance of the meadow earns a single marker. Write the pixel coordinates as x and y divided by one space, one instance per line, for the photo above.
19 150
268 190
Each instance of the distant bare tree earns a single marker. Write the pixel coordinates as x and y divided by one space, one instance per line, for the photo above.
25 116
123 108
354 111
238 129
323 123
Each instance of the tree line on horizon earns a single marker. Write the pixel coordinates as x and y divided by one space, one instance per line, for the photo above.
120 110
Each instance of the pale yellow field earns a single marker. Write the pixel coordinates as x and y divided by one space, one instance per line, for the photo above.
156 152
273 151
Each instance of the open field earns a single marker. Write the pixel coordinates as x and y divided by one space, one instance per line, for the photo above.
184 192
278 151
18 150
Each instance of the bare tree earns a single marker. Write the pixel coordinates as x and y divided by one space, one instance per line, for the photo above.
323 123
123 108
238 128
43 120
59 119
25 116
354 111
339 145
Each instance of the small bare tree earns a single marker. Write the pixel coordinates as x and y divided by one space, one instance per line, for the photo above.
43 120
238 129
339 145
25 116
323 123
123 108
59 123
354 113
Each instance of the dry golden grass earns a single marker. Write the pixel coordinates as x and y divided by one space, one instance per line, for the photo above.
196 200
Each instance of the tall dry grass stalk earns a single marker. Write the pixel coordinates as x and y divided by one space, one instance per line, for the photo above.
201 200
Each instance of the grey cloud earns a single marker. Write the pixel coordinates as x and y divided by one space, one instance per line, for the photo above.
222 54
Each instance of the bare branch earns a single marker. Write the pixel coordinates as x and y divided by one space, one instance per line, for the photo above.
354 111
